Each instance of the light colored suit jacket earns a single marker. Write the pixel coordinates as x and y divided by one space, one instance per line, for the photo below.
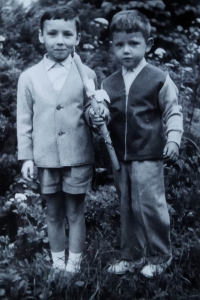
51 127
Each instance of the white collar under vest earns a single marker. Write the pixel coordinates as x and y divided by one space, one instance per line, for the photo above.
129 75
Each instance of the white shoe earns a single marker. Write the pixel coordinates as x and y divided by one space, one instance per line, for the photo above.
59 266
124 266
151 270
73 266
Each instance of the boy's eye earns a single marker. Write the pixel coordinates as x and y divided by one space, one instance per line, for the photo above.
68 34
133 43
119 44
52 33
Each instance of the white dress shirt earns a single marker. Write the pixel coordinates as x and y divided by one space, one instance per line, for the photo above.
57 72
129 75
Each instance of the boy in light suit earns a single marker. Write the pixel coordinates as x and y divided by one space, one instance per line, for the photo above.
53 134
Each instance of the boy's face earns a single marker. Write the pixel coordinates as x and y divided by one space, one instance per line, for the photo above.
130 48
59 37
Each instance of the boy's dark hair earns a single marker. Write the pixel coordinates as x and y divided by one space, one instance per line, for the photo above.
58 13
131 21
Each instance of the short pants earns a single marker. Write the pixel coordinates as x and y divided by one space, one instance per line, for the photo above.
72 180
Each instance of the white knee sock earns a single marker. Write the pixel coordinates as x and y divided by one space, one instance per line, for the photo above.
58 258
75 256
74 262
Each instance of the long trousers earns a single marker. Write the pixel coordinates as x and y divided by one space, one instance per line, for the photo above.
145 223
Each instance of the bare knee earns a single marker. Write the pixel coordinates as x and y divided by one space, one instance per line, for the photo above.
75 217
75 208
55 209
55 218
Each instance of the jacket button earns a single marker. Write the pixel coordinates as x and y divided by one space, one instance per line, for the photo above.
61 133
58 107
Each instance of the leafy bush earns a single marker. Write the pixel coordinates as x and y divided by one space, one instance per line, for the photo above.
9 73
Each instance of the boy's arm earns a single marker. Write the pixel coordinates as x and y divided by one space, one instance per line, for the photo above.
88 111
172 118
24 123
87 105
104 114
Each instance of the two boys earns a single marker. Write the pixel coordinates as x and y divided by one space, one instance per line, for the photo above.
53 135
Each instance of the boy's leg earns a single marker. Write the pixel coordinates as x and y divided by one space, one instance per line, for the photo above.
75 182
132 239
56 227
55 221
50 182
150 204
76 220
77 230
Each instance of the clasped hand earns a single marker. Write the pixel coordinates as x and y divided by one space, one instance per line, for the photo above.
100 118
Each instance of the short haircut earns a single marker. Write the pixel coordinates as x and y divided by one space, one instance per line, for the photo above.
58 13
131 21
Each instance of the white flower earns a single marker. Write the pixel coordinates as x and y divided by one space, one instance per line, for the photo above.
189 56
180 28
169 65
101 95
11 246
160 52
20 197
88 46
188 69
12 199
8 203
101 21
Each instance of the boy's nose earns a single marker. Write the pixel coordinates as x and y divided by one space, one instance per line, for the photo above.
60 39
126 49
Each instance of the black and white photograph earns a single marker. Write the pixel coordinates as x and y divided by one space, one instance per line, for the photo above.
99 150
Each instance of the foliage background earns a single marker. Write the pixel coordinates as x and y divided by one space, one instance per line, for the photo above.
175 28
24 256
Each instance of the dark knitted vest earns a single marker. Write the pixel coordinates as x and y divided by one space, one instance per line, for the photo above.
136 127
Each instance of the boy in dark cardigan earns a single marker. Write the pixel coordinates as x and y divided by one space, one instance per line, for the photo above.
144 101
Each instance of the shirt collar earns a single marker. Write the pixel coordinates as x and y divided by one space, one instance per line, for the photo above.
50 63
137 69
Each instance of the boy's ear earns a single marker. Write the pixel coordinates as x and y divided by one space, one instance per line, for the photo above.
41 38
78 38
150 43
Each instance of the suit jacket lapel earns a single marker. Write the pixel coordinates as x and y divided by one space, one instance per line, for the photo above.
72 84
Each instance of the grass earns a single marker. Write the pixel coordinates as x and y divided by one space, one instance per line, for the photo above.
25 264
33 278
